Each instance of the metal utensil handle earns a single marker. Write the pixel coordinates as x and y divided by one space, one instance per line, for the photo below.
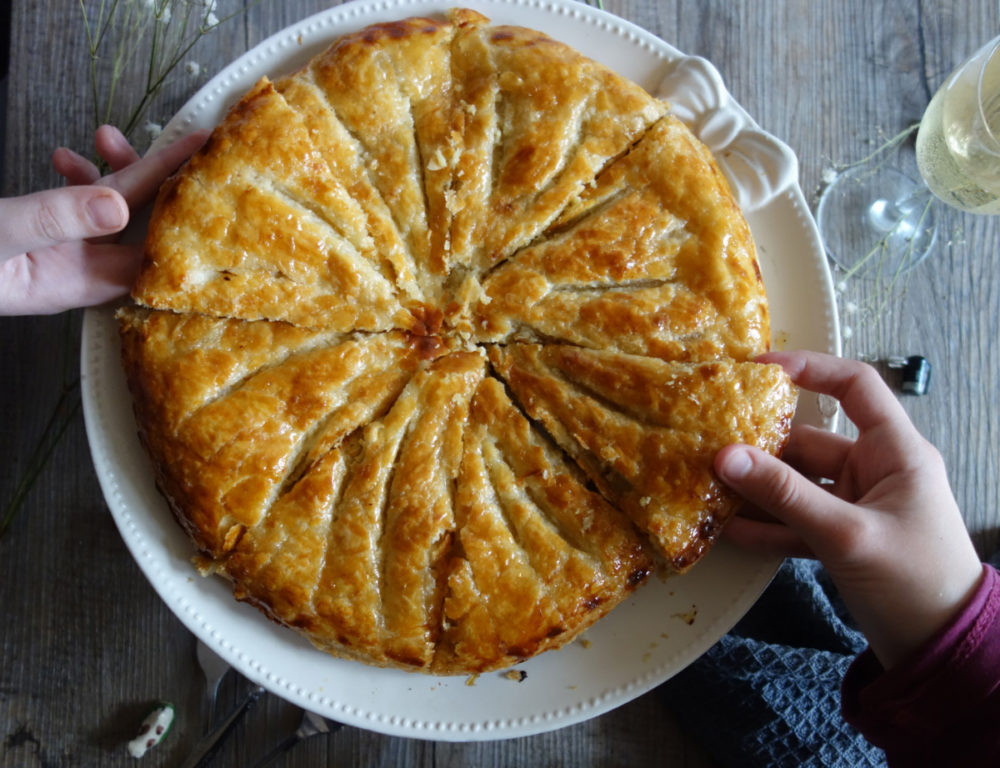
205 749
312 725
283 746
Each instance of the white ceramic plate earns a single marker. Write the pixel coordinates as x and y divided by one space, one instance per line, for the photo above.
666 625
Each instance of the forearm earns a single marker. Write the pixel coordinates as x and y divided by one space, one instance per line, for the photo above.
941 704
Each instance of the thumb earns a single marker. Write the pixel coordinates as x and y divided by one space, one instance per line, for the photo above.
59 215
773 486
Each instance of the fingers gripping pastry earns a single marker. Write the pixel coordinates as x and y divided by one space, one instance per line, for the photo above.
435 340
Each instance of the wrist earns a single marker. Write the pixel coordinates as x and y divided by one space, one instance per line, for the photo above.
909 623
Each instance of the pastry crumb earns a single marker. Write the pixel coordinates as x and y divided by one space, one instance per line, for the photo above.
437 161
688 616
517 675
471 680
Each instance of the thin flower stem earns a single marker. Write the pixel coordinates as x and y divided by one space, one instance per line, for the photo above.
881 247
863 261
107 19
168 50
59 420
902 270
62 416
92 48
892 143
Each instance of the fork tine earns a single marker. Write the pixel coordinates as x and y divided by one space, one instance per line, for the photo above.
312 724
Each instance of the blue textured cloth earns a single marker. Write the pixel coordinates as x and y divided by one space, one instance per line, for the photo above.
768 693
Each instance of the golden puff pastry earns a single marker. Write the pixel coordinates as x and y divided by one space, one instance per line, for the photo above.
646 431
436 338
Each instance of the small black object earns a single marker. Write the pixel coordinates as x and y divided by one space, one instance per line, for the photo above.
916 376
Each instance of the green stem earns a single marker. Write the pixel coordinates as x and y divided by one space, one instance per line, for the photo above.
895 141
92 48
62 416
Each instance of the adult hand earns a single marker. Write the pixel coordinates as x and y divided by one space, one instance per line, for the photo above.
885 525
54 249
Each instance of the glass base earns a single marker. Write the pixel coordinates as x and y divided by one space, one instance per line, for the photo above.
876 222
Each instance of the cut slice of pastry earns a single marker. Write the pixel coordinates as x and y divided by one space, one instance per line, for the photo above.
419 515
258 227
538 122
354 553
390 87
224 459
539 556
646 431
347 160
654 259
178 363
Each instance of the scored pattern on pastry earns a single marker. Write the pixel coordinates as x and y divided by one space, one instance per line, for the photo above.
436 339
640 429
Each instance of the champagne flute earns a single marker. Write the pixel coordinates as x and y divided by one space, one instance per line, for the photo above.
878 221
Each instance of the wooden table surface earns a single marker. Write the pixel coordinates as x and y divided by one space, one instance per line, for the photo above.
87 645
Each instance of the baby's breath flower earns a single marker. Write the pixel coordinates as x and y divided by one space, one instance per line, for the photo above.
159 9
152 129
122 32
163 14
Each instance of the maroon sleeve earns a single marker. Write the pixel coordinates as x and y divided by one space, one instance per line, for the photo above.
941 706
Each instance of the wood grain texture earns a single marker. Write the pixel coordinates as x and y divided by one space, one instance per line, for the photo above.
87 646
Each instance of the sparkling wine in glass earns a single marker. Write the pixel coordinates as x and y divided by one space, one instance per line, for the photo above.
880 221
958 144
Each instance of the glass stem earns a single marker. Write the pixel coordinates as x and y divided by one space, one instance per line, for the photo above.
892 215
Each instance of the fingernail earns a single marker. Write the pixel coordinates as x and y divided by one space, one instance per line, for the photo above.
105 212
736 465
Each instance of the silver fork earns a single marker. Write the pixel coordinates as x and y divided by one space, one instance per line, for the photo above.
310 725
214 667
204 751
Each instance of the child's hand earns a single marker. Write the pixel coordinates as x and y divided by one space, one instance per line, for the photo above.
887 527
54 253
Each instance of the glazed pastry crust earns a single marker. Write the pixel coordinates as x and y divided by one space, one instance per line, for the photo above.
653 259
435 340
646 431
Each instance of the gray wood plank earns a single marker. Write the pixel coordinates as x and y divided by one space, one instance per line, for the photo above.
87 646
